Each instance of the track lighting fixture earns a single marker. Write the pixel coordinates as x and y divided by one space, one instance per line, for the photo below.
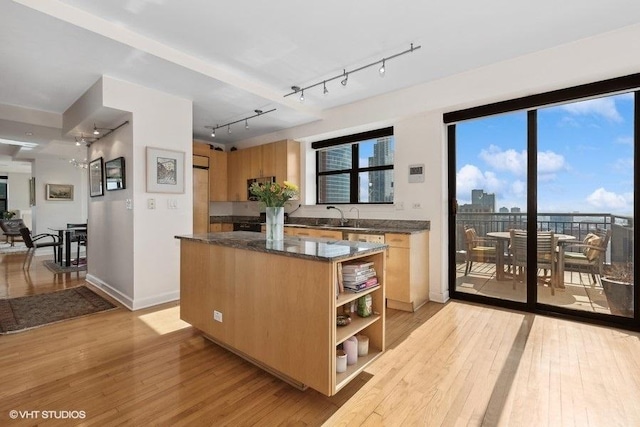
245 120
88 140
344 77
344 81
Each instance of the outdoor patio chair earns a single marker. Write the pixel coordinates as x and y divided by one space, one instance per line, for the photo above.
546 258
477 249
589 255
33 243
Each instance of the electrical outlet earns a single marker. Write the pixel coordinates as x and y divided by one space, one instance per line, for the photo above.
172 203
399 206
151 203
417 205
217 316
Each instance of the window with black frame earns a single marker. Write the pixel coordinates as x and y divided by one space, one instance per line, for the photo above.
355 168
3 193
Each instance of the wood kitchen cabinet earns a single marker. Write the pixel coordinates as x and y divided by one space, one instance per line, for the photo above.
217 176
313 232
279 159
236 185
216 227
407 270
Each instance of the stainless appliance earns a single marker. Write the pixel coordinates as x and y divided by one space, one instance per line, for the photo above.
247 226
263 180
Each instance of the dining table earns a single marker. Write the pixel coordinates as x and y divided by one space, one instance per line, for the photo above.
64 234
503 237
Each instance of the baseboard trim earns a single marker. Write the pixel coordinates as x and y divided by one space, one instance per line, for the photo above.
111 291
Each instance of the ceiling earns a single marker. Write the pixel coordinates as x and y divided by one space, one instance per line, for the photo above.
233 57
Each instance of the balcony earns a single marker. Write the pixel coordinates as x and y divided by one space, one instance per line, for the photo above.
576 289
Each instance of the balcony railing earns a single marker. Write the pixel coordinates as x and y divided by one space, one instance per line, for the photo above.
575 224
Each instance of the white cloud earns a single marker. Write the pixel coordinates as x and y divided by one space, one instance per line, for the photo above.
623 165
626 140
603 107
609 201
469 177
516 161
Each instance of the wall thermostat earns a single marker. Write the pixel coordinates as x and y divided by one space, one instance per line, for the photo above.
416 173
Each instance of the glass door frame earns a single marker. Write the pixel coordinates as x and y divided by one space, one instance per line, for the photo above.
531 104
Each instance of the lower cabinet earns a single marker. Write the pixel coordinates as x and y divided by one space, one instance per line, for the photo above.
217 227
407 270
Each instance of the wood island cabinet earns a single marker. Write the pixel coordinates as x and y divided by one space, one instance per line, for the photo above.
278 308
407 270
216 227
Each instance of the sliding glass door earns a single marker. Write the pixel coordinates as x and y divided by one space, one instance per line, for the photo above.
561 176
586 192
491 190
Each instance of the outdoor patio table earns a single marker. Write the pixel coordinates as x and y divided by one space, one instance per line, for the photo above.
504 236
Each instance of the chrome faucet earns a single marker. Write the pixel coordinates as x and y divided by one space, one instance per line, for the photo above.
357 224
343 221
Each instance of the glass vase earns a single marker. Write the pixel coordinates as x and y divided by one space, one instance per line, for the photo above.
275 223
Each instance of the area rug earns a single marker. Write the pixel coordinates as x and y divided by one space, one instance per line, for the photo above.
57 268
6 248
22 313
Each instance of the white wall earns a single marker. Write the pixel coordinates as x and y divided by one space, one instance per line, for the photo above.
162 121
47 214
110 248
416 114
18 187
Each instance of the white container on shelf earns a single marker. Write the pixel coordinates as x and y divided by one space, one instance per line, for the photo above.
351 348
363 345
341 361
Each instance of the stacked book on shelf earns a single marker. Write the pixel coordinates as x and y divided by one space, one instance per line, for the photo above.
357 276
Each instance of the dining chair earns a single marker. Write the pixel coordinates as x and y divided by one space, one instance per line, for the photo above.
589 255
477 249
546 257
34 242
79 236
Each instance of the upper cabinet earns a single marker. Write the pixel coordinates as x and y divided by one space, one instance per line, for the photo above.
218 176
280 159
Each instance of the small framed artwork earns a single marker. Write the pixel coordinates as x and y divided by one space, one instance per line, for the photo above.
62 192
165 171
95 177
32 191
114 174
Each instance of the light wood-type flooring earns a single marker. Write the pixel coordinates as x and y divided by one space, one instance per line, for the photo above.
452 364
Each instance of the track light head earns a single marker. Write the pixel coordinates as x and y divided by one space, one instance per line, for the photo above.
246 124
295 88
229 129
344 81
78 144
325 91
382 69
213 133
302 96
258 112
95 130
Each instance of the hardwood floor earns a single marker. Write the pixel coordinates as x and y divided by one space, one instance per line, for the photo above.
452 364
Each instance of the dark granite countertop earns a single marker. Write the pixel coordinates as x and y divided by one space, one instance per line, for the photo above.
317 249
366 226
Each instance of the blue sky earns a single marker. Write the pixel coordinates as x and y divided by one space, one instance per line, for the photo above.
585 157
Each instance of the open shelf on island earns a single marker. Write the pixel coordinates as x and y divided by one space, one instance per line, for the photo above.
348 296
343 378
357 324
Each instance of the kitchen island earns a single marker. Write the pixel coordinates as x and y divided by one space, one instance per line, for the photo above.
275 303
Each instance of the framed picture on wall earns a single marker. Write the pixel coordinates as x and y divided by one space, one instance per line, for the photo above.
165 171
63 192
114 174
95 177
